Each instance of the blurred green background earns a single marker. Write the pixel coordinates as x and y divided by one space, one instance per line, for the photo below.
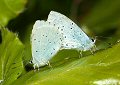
98 18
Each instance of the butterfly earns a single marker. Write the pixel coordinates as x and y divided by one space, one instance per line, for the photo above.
57 33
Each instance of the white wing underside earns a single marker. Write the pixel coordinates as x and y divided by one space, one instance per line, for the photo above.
46 42
74 37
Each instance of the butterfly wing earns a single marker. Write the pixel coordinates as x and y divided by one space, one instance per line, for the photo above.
74 37
46 42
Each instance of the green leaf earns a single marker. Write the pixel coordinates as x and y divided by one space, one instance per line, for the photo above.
11 53
102 67
10 9
104 15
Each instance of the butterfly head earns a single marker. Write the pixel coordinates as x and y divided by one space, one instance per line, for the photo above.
90 45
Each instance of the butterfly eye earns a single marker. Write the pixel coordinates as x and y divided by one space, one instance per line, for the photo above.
92 40
31 62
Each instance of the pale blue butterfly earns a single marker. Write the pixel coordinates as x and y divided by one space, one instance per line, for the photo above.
58 32
74 37
46 42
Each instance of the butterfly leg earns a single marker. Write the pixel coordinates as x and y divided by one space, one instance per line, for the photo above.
80 54
48 63
38 67
93 49
44 61
36 63
34 66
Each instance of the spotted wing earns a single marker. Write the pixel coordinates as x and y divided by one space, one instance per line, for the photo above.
74 37
46 42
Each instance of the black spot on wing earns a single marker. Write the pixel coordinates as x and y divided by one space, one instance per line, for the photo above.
61 29
62 44
72 45
83 45
73 37
60 39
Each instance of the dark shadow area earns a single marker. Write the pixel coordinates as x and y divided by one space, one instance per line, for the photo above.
36 10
